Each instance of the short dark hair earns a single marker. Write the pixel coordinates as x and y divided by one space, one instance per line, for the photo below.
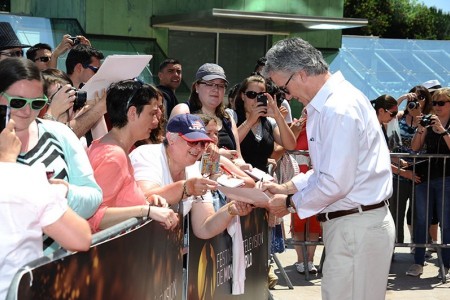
31 52
168 61
117 97
81 54
15 69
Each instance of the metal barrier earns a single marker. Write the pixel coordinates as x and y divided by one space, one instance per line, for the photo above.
417 162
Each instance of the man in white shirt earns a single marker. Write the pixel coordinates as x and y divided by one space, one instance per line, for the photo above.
350 177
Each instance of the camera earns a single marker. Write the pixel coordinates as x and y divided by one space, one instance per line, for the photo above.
261 98
413 104
5 114
80 99
75 40
280 98
426 120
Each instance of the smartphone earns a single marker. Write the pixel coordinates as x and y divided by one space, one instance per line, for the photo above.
5 114
261 98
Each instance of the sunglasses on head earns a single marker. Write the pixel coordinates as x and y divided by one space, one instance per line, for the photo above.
140 83
93 69
391 113
43 58
18 53
19 102
252 94
439 103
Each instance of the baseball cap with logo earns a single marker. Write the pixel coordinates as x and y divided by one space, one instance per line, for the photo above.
190 127
8 38
210 71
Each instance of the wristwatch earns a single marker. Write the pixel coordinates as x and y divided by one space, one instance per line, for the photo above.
289 205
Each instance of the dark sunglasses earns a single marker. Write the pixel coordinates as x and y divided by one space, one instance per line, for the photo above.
391 113
252 94
18 53
93 69
43 58
19 102
438 103
284 88
136 88
203 144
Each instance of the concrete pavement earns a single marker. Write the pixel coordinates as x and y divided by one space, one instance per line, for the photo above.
400 286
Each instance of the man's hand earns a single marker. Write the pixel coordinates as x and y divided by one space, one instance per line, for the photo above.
277 205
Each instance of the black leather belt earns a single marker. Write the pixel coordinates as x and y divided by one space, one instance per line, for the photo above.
323 217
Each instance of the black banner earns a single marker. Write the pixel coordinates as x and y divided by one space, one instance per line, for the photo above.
145 263
210 262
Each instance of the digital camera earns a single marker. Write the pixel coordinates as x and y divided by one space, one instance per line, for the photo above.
75 40
261 98
426 120
80 99
413 104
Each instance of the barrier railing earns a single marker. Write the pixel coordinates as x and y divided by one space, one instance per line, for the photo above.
419 164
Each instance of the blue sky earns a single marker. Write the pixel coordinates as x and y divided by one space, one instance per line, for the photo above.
440 4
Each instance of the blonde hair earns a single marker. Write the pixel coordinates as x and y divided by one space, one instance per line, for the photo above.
442 92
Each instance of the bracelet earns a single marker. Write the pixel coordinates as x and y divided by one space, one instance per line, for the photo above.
148 212
230 211
49 117
185 191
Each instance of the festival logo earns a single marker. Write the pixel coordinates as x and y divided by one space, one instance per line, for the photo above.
207 268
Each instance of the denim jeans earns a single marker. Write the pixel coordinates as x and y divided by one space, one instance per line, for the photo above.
439 199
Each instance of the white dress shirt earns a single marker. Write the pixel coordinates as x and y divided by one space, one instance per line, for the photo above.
349 156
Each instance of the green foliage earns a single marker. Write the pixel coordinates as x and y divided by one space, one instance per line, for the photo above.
404 19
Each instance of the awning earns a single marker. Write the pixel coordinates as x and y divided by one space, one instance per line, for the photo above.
245 22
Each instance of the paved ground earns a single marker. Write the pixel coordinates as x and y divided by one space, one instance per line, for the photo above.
400 286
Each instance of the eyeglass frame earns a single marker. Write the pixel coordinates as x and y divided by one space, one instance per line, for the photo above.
253 97
92 68
13 53
43 59
439 103
203 144
213 85
284 88
27 101
135 90
391 113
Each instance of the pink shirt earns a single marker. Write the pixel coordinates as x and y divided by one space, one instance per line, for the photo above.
115 175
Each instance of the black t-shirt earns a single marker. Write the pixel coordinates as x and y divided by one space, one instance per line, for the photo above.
170 100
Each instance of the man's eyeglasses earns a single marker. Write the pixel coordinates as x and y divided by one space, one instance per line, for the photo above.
284 88
44 58
203 144
135 90
219 86
252 94
18 53
19 102
439 103
391 113
93 69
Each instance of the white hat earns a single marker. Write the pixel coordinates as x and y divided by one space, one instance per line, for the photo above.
432 85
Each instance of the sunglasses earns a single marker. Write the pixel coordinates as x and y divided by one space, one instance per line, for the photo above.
19 102
391 113
219 86
18 53
135 90
284 88
93 69
252 94
438 103
44 58
203 144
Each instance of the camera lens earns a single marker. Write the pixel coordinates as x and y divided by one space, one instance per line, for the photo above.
413 104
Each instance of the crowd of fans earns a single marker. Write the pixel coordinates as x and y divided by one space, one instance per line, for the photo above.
155 151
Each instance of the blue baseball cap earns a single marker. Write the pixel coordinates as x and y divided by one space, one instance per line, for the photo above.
190 127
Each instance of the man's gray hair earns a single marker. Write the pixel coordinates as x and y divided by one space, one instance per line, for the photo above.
293 55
